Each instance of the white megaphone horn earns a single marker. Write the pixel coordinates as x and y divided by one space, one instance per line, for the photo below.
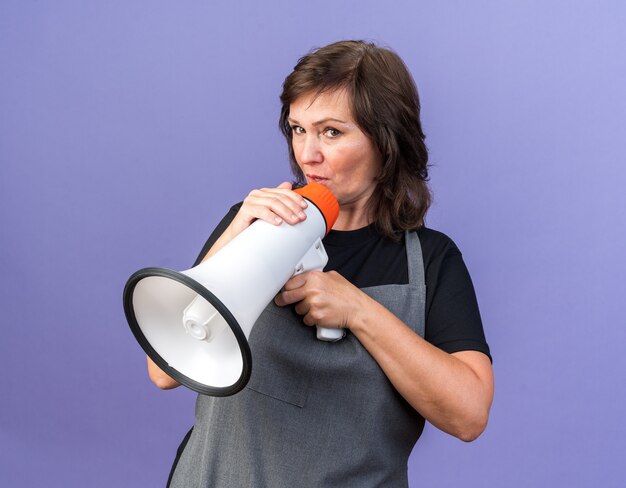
195 324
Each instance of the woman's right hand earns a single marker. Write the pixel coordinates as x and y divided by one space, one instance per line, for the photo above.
272 205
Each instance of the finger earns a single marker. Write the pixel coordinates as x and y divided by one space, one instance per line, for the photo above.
284 203
302 308
275 213
271 209
295 282
289 297
308 320
286 188
285 185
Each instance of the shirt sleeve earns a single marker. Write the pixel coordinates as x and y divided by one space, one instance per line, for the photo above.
453 321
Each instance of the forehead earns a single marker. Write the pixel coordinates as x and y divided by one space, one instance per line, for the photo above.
334 103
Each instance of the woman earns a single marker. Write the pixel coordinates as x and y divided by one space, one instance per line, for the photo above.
348 413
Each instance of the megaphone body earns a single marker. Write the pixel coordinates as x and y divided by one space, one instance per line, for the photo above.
194 324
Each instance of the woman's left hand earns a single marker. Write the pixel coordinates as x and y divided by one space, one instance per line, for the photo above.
324 299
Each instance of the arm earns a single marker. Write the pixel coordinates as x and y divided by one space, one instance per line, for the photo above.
159 377
452 391
274 205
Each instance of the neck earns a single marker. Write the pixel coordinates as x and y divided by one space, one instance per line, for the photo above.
352 217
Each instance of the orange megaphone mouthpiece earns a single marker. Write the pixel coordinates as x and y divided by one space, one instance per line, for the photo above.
323 199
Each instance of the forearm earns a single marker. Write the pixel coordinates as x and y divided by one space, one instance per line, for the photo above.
227 236
442 387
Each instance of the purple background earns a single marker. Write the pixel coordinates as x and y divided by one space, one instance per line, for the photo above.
128 128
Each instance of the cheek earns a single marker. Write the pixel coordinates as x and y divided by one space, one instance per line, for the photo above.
296 154
360 162
371 161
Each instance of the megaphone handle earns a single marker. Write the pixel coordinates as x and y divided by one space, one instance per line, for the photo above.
330 335
314 260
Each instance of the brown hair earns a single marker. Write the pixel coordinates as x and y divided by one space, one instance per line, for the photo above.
386 107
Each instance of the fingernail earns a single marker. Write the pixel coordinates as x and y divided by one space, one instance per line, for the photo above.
278 220
301 215
303 204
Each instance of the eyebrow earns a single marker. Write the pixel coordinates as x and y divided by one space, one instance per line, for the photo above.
320 122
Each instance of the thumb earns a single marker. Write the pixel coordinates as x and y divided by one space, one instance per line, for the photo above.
285 185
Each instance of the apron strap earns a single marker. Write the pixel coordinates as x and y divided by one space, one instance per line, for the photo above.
415 259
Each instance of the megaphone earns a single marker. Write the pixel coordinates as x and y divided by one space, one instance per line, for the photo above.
195 324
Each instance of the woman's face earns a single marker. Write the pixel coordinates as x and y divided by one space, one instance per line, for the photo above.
331 149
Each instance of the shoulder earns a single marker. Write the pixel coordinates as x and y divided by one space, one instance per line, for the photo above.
434 237
228 218
446 275
436 245
453 321
235 208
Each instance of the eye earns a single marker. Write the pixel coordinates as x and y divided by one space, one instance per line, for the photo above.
297 129
331 132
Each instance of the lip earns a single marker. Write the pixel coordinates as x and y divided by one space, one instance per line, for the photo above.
317 178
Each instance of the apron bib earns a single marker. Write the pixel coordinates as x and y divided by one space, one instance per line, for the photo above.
314 414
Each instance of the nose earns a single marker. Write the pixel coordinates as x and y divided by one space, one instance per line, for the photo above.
310 150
